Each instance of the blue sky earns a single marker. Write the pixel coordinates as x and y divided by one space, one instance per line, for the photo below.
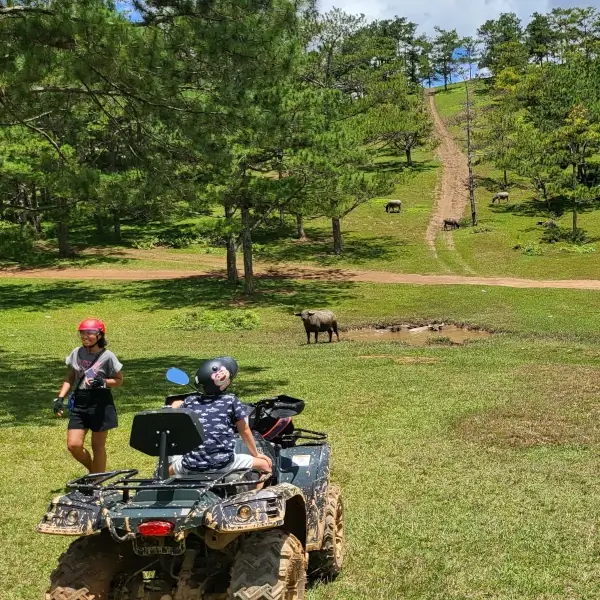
463 15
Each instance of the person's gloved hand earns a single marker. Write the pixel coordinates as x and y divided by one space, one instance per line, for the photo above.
98 382
58 406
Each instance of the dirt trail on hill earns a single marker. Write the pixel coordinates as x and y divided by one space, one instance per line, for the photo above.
212 268
451 195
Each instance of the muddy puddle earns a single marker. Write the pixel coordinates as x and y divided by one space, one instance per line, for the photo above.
419 336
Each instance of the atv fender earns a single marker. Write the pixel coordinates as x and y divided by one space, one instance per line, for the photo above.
74 514
281 505
308 468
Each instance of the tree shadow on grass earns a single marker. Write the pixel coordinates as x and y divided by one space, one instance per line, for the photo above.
318 249
49 259
29 385
497 185
206 291
532 208
395 166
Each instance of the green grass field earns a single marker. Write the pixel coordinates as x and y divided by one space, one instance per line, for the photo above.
467 472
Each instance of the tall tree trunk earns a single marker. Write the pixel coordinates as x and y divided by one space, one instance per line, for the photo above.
505 179
23 202
408 157
336 228
300 227
36 218
232 271
247 248
575 174
117 224
471 180
64 251
281 217
99 220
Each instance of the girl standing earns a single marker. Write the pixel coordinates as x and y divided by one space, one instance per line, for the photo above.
92 372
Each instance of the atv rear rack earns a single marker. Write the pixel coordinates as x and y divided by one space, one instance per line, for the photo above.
204 480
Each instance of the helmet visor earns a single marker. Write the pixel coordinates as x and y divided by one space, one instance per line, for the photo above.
89 332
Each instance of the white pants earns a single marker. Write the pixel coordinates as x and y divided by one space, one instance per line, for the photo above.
240 461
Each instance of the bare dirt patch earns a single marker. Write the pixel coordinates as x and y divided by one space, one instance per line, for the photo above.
431 334
563 410
206 265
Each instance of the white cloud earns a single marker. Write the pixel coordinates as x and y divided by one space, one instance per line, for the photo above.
463 15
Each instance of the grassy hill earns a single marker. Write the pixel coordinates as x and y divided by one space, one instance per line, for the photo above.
508 240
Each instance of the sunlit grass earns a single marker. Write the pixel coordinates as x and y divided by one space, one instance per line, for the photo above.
471 473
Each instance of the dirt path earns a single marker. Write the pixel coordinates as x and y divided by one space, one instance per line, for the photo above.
298 272
451 196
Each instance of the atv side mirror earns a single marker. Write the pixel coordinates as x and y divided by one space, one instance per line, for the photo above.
177 376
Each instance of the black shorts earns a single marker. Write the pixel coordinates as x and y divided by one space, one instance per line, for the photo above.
96 412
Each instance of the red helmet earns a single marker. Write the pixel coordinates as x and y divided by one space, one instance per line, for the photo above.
92 325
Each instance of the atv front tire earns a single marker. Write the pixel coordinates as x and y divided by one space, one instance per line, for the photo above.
85 571
269 566
327 563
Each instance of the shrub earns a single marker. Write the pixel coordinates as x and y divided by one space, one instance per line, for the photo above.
532 250
178 238
146 243
554 233
16 241
215 320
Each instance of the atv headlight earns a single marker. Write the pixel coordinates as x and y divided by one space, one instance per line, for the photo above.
244 512
72 517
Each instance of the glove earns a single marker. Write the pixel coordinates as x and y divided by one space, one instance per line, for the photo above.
98 382
58 405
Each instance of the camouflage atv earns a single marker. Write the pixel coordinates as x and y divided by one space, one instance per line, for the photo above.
211 535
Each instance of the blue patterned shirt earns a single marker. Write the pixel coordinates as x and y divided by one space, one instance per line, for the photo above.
218 415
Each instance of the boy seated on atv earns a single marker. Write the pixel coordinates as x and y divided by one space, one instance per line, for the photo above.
221 414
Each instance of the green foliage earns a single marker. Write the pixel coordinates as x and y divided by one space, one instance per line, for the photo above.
444 45
215 320
532 250
16 241
502 44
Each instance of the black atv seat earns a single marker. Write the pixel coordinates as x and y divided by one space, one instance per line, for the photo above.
180 426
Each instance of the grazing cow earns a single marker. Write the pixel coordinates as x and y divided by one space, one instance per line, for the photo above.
393 206
500 196
316 321
451 224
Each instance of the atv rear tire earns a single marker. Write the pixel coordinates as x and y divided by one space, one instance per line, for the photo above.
269 566
85 571
327 563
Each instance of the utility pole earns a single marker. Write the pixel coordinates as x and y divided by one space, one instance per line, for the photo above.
470 154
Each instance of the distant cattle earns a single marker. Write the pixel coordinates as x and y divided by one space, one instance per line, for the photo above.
500 196
451 224
393 206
